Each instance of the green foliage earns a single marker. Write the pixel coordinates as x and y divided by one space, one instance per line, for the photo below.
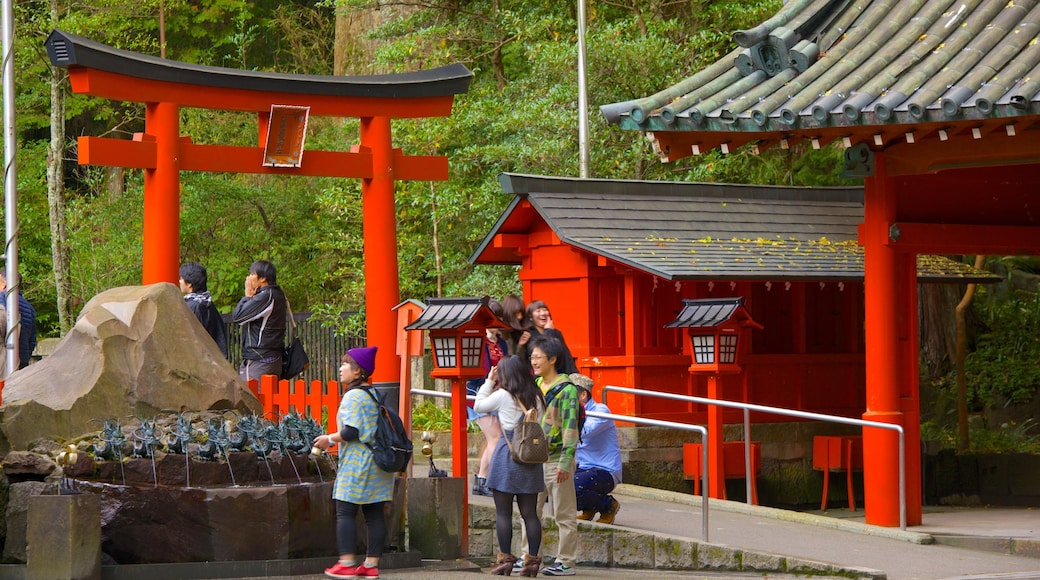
520 115
1004 362
427 416
1010 437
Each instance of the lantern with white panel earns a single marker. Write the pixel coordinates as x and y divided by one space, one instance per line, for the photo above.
715 327
456 327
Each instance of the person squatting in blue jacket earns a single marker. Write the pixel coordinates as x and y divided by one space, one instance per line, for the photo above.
598 459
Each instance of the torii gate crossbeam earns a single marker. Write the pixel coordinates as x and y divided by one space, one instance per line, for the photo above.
165 86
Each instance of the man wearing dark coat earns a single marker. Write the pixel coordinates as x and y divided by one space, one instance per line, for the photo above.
196 296
261 313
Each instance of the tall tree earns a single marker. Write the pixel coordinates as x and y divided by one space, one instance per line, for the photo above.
56 192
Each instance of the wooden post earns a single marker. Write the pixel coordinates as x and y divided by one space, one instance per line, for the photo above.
716 470
460 450
882 268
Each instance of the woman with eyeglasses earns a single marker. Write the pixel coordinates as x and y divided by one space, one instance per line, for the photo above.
561 426
507 479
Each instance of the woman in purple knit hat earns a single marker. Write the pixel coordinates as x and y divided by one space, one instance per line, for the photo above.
360 483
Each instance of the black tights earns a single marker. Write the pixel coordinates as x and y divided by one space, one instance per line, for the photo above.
346 527
528 503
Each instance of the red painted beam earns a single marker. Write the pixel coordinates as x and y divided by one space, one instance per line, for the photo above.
922 238
250 160
116 152
125 88
226 158
420 168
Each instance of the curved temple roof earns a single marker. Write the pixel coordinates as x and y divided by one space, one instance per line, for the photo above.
68 50
819 66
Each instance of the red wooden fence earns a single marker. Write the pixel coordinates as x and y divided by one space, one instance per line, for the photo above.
279 397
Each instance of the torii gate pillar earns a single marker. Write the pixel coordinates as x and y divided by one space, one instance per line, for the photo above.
161 239
382 284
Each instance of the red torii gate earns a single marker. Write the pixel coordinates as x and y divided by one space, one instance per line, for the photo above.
164 86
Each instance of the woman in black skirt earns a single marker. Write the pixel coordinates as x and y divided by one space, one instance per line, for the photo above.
508 390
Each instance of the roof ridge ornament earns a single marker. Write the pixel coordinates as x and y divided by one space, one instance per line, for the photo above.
781 49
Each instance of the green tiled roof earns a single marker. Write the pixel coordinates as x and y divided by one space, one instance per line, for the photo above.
823 65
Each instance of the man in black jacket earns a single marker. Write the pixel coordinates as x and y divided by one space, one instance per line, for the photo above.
196 296
261 313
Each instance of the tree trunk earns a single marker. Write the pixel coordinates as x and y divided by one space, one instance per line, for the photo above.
436 241
963 437
938 330
56 195
352 52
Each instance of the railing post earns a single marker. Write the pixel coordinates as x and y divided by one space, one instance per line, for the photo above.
790 413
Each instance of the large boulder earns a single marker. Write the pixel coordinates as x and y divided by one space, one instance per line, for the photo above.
135 351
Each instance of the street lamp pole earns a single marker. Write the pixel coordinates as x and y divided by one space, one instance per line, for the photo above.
10 333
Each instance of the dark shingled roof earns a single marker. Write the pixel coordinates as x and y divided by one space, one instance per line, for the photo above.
706 312
68 50
448 313
819 67
689 231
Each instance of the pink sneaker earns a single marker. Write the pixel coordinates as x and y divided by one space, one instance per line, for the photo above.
366 572
341 571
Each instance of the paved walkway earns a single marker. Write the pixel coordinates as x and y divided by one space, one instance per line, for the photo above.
847 541
837 537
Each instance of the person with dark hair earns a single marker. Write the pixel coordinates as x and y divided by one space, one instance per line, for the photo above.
542 325
196 296
510 391
514 313
262 315
361 485
496 347
27 315
560 424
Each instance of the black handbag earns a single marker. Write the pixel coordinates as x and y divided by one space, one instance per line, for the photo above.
294 357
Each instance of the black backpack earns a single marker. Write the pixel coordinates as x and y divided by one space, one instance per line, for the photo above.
392 449
556 390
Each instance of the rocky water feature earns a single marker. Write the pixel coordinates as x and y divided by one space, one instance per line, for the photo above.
166 433
197 487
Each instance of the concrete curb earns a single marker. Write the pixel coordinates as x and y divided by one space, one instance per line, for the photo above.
614 546
774 513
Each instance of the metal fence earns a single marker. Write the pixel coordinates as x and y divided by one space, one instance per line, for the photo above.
322 345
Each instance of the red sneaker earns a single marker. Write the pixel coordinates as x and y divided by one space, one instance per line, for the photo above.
341 571
366 572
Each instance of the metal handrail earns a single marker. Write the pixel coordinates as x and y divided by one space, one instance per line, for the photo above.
641 421
788 412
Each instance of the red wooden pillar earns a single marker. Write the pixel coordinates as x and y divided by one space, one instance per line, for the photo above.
716 470
884 268
460 450
161 237
910 400
382 287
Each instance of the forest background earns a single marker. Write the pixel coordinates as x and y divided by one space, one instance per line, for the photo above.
80 227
